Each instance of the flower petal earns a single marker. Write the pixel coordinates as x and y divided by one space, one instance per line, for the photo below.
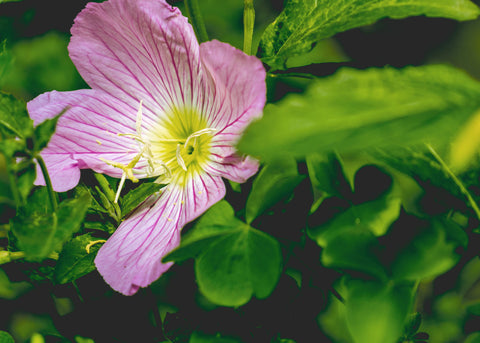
233 167
240 89
240 97
86 132
142 50
131 258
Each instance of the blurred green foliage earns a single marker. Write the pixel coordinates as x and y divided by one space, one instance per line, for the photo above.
34 59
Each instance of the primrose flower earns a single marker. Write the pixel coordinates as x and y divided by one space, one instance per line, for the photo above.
161 105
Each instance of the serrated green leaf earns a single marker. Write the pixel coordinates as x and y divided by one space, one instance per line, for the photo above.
376 312
74 260
14 119
138 195
237 266
431 253
303 23
275 181
355 110
6 338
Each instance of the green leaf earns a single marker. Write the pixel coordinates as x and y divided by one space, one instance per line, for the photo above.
25 178
44 131
473 338
275 181
40 232
6 338
233 260
376 312
303 23
218 221
431 253
74 260
237 266
349 239
5 61
355 110
327 178
201 338
14 118
138 195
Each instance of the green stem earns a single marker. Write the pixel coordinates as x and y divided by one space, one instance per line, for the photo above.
193 12
248 24
457 181
13 186
51 194
8 256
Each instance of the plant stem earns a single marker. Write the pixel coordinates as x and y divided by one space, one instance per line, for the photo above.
455 179
248 24
13 186
193 12
51 194
9 256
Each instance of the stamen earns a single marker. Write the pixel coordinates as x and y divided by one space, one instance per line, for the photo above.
199 133
180 160
120 186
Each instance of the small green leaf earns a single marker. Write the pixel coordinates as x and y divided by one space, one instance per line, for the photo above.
6 338
431 253
237 266
201 338
327 178
376 312
74 260
303 23
25 178
354 110
40 232
275 181
44 131
14 118
138 195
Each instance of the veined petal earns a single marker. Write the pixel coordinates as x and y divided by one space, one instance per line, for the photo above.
142 50
240 90
233 167
86 132
63 171
131 258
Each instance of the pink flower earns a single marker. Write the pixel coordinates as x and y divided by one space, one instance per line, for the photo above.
161 105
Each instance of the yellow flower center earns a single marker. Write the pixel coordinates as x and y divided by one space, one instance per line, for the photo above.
181 141
176 148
